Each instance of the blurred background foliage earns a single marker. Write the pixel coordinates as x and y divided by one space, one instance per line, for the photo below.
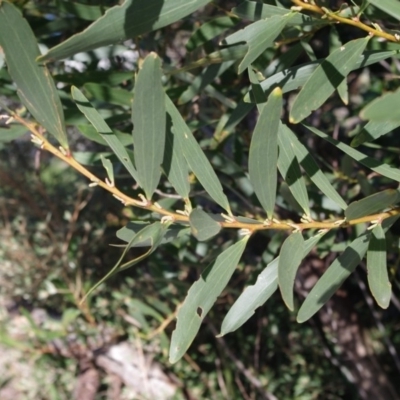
55 237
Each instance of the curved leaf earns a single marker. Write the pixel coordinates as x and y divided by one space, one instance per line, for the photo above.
390 7
289 168
196 159
381 109
203 226
36 87
337 273
104 130
201 297
372 131
372 204
290 258
378 279
263 155
149 123
132 18
326 78
375 165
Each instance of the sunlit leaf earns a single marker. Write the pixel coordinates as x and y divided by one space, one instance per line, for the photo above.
289 168
259 36
378 279
313 171
149 124
256 295
201 297
36 87
104 130
263 155
378 166
125 21
203 226
197 160
289 260
381 109
372 204
372 131
337 273
326 78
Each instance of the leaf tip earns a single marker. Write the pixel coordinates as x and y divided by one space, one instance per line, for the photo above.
277 92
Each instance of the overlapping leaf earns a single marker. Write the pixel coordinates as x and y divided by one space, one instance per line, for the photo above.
383 108
203 226
375 165
149 124
201 296
125 21
372 204
196 159
104 130
326 78
389 6
36 88
378 280
374 130
263 155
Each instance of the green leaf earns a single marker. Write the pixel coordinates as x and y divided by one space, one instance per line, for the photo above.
290 258
121 22
174 164
153 233
256 295
36 87
256 90
104 130
149 124
109 95
388 6
12 132
263 155
372 131
128 232
381 109
371 163
372 204
91 133
313 171
109 169
378 279
337 273
326 78
295 77
197 161
259 36
83 11
201 297
289 168
209 30
203 226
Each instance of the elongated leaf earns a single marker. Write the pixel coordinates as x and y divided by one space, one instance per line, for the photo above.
381 109
337 273
153 233
174 164
12 132
109 95
295 77
209 30
374 165
109 168
263 153
149 124
203 226
128 232
378 279
132 18
196 159
289 168
372 204
201 297
373 130
91 133
104 130
36 88
256 90
83 11
290 258
326 78
390 7
256 295
313 171
259 36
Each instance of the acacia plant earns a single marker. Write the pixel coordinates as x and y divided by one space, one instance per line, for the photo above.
178 131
